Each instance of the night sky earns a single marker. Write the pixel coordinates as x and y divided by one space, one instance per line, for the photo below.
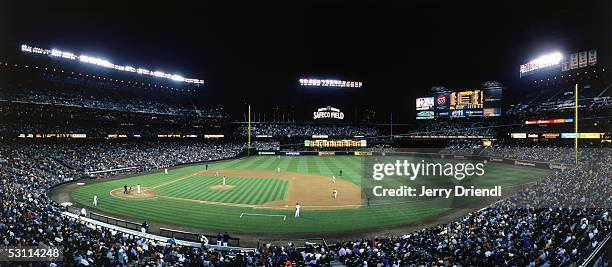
258 49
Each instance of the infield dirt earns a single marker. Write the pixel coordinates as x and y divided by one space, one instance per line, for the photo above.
312 192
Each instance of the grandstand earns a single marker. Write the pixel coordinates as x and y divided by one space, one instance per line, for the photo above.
594 94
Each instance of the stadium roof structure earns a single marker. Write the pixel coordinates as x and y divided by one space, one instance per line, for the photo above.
55 53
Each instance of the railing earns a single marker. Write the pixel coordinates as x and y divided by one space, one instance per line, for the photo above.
592 259
96 223
195 237
117 170
297 242
115 221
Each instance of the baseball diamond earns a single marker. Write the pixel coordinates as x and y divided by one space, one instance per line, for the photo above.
195 197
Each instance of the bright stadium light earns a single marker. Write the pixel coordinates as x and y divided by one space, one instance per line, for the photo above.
548 60
106 63
329 83
177 78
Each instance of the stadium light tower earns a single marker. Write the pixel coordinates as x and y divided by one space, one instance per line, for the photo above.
550 59
56 53
544 61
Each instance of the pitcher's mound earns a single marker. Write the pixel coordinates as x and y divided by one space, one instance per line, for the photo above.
222 187
145 193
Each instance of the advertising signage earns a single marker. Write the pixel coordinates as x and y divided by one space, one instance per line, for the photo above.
461 104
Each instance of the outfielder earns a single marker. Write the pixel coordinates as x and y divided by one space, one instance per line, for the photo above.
297 210
95 200
278 169
165 170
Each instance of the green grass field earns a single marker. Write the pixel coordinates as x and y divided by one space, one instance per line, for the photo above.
214 217
248 191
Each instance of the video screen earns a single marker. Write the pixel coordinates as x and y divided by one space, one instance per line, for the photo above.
424 103
466 100
460 104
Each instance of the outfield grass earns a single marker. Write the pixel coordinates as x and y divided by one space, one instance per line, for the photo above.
227 218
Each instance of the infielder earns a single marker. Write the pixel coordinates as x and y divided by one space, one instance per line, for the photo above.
334 179
278 169
297 210
335 193
223 180
138 188
95 200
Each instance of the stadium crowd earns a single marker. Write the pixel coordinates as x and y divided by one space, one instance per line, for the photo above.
305 130
558 221
448 128
534 152
105 103
462 147
545 225
78 159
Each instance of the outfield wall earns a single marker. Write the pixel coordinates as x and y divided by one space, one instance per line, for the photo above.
516 162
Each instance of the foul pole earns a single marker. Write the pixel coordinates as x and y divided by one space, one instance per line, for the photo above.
576 123
249 129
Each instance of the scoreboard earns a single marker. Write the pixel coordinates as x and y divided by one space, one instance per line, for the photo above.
460 104
466 100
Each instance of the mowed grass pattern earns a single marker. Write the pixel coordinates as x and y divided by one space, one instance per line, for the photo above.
246 191
226 218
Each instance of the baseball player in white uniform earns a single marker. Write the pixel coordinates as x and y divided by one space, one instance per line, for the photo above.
297 210
335 193
138 188
165 170
334 179
95 200
223 180
278 169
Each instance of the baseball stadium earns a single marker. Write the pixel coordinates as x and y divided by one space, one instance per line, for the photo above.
314 134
